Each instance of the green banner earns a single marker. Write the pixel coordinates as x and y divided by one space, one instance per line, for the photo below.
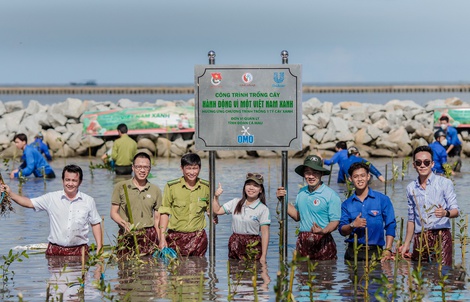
139 120
458 117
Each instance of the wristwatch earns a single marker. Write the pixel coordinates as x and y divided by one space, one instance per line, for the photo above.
351 225
447 213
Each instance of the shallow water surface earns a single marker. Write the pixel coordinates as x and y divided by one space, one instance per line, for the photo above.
199 279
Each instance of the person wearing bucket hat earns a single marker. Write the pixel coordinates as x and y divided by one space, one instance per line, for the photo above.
354 157
318 209
250 217
439 156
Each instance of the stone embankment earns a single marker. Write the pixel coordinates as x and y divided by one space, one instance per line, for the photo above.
392 129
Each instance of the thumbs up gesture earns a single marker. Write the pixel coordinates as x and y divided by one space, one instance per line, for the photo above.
360 222
219 191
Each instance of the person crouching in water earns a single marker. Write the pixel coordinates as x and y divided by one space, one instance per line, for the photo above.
250 216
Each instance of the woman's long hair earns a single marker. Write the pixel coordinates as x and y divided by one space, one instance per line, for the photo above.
261 197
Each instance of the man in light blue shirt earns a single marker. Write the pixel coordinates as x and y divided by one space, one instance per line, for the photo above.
318 208
432 202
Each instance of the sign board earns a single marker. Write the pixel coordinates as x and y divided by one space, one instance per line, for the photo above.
256 107
459 117
139 120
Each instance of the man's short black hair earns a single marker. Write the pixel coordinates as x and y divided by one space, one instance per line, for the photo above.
141 155
357 166
341 145
190 159
73 169
423 149
22 137
444 118
122 128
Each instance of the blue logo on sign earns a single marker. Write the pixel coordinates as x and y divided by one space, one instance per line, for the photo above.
278 78
245 139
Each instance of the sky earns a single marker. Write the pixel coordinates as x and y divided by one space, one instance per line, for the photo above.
159 42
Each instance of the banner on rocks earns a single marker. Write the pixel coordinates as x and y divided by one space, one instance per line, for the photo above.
459 117
140 120
256 107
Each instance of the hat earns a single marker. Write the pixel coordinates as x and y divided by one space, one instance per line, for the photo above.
353 150
256 177
314 162
39 135
439 133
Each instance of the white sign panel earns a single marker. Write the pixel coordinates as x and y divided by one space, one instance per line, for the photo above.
248 107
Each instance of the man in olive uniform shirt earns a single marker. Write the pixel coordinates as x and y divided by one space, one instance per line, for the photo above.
124 149
144 198
185 202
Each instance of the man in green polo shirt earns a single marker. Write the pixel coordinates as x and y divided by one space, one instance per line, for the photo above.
185 202
124 149
144 200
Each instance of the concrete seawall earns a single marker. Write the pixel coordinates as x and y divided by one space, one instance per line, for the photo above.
91 89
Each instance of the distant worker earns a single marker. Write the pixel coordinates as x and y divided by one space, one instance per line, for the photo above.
124 150
39 145
439 152
354 157
454 145
339 158
33 161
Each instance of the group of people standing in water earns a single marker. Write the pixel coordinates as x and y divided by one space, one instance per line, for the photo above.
176 218
369 215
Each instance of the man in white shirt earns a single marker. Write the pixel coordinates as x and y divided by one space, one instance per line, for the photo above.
70 211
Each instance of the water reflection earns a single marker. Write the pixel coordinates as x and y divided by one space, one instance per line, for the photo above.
333 280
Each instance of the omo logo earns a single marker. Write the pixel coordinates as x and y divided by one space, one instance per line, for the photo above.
245 137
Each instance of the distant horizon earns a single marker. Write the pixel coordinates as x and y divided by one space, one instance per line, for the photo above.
332 84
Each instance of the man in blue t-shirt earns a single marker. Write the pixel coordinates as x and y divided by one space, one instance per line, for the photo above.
354 157
39 145
439 152
367 209
33 161
339 157
454 145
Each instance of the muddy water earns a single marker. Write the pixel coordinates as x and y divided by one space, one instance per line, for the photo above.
198 278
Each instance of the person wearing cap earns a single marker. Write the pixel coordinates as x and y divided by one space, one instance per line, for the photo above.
454 145
39 145
318 208
367 209
432 203
250 216
339 157
354 157
124 150
182 214
439 152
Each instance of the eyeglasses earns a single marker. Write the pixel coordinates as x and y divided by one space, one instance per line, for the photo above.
146 168
255 175
426 162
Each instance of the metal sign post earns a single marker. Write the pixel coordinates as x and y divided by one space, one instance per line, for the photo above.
211 56
284 165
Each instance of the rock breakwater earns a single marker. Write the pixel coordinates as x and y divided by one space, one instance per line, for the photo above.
392 129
